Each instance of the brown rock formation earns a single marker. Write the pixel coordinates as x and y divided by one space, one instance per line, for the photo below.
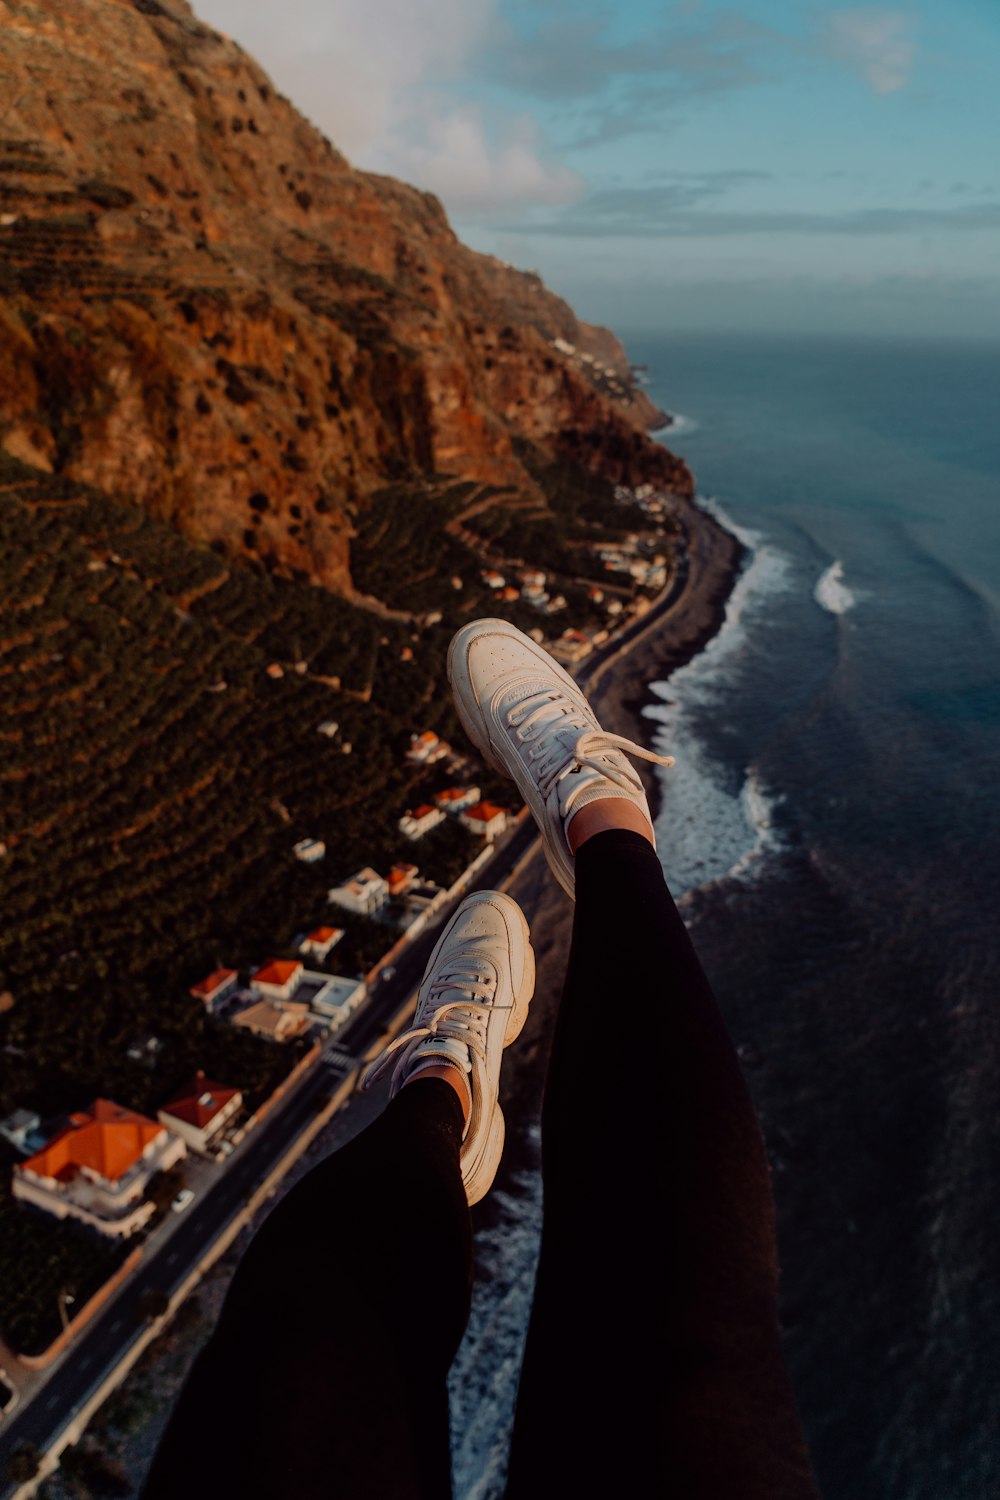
205 309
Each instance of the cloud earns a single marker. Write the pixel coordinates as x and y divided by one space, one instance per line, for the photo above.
372 75
455 158
876 43
677 210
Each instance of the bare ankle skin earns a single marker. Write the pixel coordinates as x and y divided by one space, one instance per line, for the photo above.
605 813
449 1075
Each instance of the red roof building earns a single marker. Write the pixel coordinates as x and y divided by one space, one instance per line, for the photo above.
321 940
201 1111
98 1167
215 989
400 878
485 818
277 979
454 798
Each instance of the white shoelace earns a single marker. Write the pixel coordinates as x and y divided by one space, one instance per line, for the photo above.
463 1020
552 751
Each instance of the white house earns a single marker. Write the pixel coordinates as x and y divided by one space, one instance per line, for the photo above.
420 821
532 578
338 999
275 1023
98 1168
277 979
309 850
319 942
426 748
400 878
214 991
455 799
365 893
485 819
328 728
201 1112
571 647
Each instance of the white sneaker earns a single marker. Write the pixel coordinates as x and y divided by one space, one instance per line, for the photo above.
528 718
473 1001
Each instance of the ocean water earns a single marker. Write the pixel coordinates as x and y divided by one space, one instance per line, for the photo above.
832 829
831 832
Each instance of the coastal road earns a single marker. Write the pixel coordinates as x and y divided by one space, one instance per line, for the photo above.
98 1349
100 1346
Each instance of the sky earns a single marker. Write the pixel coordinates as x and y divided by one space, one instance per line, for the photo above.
776 165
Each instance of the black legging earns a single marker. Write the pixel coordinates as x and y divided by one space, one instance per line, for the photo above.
653 1364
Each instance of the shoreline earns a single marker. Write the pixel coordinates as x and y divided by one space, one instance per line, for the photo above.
673 632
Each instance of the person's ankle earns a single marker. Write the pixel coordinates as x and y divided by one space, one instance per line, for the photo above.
605 813
449 1073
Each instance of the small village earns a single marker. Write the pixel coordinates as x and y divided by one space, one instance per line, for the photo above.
102 1163
97 1164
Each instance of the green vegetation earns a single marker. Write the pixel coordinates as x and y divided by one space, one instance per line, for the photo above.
24 1464
154 778
43 1262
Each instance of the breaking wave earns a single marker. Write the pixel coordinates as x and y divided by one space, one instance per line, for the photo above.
710 827
831 592
678 424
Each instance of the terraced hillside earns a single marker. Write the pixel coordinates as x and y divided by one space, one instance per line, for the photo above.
159 753
204 307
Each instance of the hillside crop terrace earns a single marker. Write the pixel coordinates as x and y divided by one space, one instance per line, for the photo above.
154 779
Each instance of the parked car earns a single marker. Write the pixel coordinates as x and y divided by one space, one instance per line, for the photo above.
180 1203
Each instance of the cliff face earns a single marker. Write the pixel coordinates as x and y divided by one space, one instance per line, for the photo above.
206 310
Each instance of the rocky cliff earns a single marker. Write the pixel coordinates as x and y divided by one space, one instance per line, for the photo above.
205 309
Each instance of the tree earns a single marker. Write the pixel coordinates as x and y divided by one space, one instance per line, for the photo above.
24 1464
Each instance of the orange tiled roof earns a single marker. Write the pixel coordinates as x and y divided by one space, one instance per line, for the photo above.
451 794
277 971
324 934
421 811
483 812
199 1101
107 1138
206 987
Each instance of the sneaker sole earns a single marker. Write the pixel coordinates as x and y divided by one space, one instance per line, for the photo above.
479 1175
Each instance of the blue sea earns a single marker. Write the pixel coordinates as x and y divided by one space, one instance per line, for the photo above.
834 823
832 830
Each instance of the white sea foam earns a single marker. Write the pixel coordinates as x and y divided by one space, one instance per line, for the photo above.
483 1381
712 822
678 424
832 593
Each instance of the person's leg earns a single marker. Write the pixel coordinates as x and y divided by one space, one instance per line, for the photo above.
327 1372
653 1362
